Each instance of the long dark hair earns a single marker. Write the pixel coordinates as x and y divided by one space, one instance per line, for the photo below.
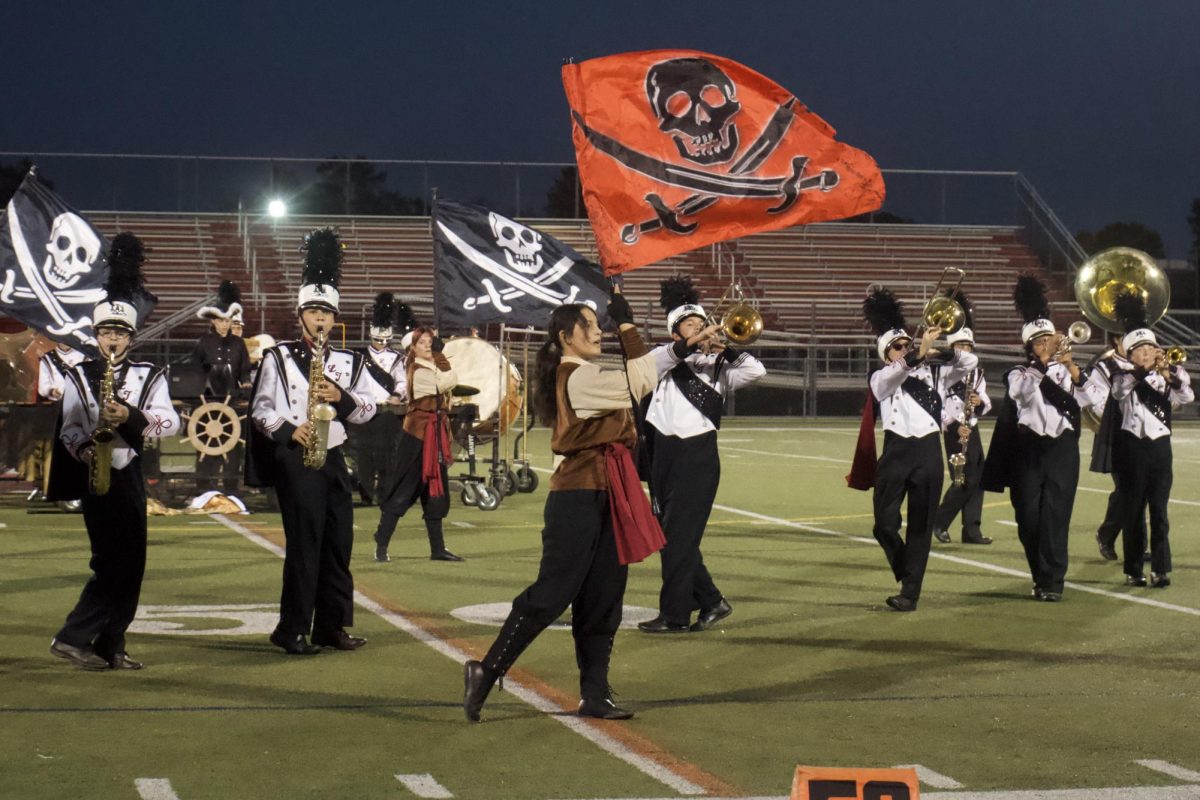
410 355
545 399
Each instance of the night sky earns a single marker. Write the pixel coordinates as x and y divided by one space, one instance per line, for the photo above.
1097 103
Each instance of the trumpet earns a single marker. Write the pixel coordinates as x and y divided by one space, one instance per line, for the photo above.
1078 332
1175 356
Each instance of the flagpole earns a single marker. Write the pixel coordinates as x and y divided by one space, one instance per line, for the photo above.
437 309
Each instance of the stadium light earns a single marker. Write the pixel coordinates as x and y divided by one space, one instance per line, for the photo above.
277 208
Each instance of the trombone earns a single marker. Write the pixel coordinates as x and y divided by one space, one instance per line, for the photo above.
739 321
942 311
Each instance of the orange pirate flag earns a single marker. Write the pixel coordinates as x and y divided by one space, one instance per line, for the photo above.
679 149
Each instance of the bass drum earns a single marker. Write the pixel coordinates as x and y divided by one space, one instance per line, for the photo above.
478 364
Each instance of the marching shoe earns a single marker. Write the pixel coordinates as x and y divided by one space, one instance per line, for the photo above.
941 535
712 616
1107 551
660 625
1160 581
445 555
901 603
295 644
83 657
1037 593
978 538
339 640
1051 597
603 708
1135 580
477 683
381 554
123 661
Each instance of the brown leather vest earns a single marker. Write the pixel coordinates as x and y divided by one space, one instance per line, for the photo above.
581 441
419 409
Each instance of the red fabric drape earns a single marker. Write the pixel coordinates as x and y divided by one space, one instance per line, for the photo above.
435 452
862 471
635 527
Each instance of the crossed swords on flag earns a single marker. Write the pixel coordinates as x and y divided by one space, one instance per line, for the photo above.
518 285
711 186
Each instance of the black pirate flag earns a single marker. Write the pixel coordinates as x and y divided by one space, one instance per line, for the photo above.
492 269
679 149
52 265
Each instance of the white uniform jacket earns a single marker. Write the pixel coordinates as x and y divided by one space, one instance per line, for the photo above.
672 414
900 411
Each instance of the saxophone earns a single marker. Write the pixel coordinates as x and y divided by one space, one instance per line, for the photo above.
320 413
958 461
102 437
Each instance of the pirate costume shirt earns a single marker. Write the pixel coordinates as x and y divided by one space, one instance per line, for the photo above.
226 363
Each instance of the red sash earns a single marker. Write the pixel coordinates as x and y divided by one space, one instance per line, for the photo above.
436 452
635 527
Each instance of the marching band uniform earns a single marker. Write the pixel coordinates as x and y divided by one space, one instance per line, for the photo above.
318 513
53 368
1035 447
226 364
684 415
1143 458
968 498
374 440
597 519
422 452
1099 388
906 390
93 635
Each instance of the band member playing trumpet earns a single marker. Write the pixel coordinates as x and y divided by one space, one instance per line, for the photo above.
315 501
1035 446
422 451
906 388
963 402
130 402
1147 393
597 518
1100 377
684 416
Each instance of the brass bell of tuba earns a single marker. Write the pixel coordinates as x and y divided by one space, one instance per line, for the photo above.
941 311
1104 277
740 322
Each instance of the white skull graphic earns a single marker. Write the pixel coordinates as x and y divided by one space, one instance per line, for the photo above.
521 245
73 248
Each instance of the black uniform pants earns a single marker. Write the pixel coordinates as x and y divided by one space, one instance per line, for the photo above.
116 528
374 443
1146 477
1110 528
909 467
967 498
1045 478
318 522
404 486
229 469
579 568
684 478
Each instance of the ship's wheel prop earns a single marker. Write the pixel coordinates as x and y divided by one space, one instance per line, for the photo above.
214 428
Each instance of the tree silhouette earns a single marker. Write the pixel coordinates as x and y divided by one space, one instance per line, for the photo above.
565 197
1122 234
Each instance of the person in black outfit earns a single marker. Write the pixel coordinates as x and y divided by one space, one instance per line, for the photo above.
93 636
226 364
1100 378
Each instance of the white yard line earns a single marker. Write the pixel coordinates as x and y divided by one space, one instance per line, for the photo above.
930 778
155 789
540 702
1109 491
1078 587
1107 793
424 786
1167 768
785 455
458 523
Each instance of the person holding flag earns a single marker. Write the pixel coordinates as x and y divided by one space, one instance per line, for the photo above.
597 519
93 636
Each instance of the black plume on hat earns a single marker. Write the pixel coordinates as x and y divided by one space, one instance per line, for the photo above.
1130 308
228 294
1029 296
677 291
882 311
125 258
960 297
384 310
406 320
322 257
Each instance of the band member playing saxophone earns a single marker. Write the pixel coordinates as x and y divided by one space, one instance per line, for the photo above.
129 401
962 404
302 458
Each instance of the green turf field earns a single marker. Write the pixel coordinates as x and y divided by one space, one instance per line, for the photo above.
989 691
